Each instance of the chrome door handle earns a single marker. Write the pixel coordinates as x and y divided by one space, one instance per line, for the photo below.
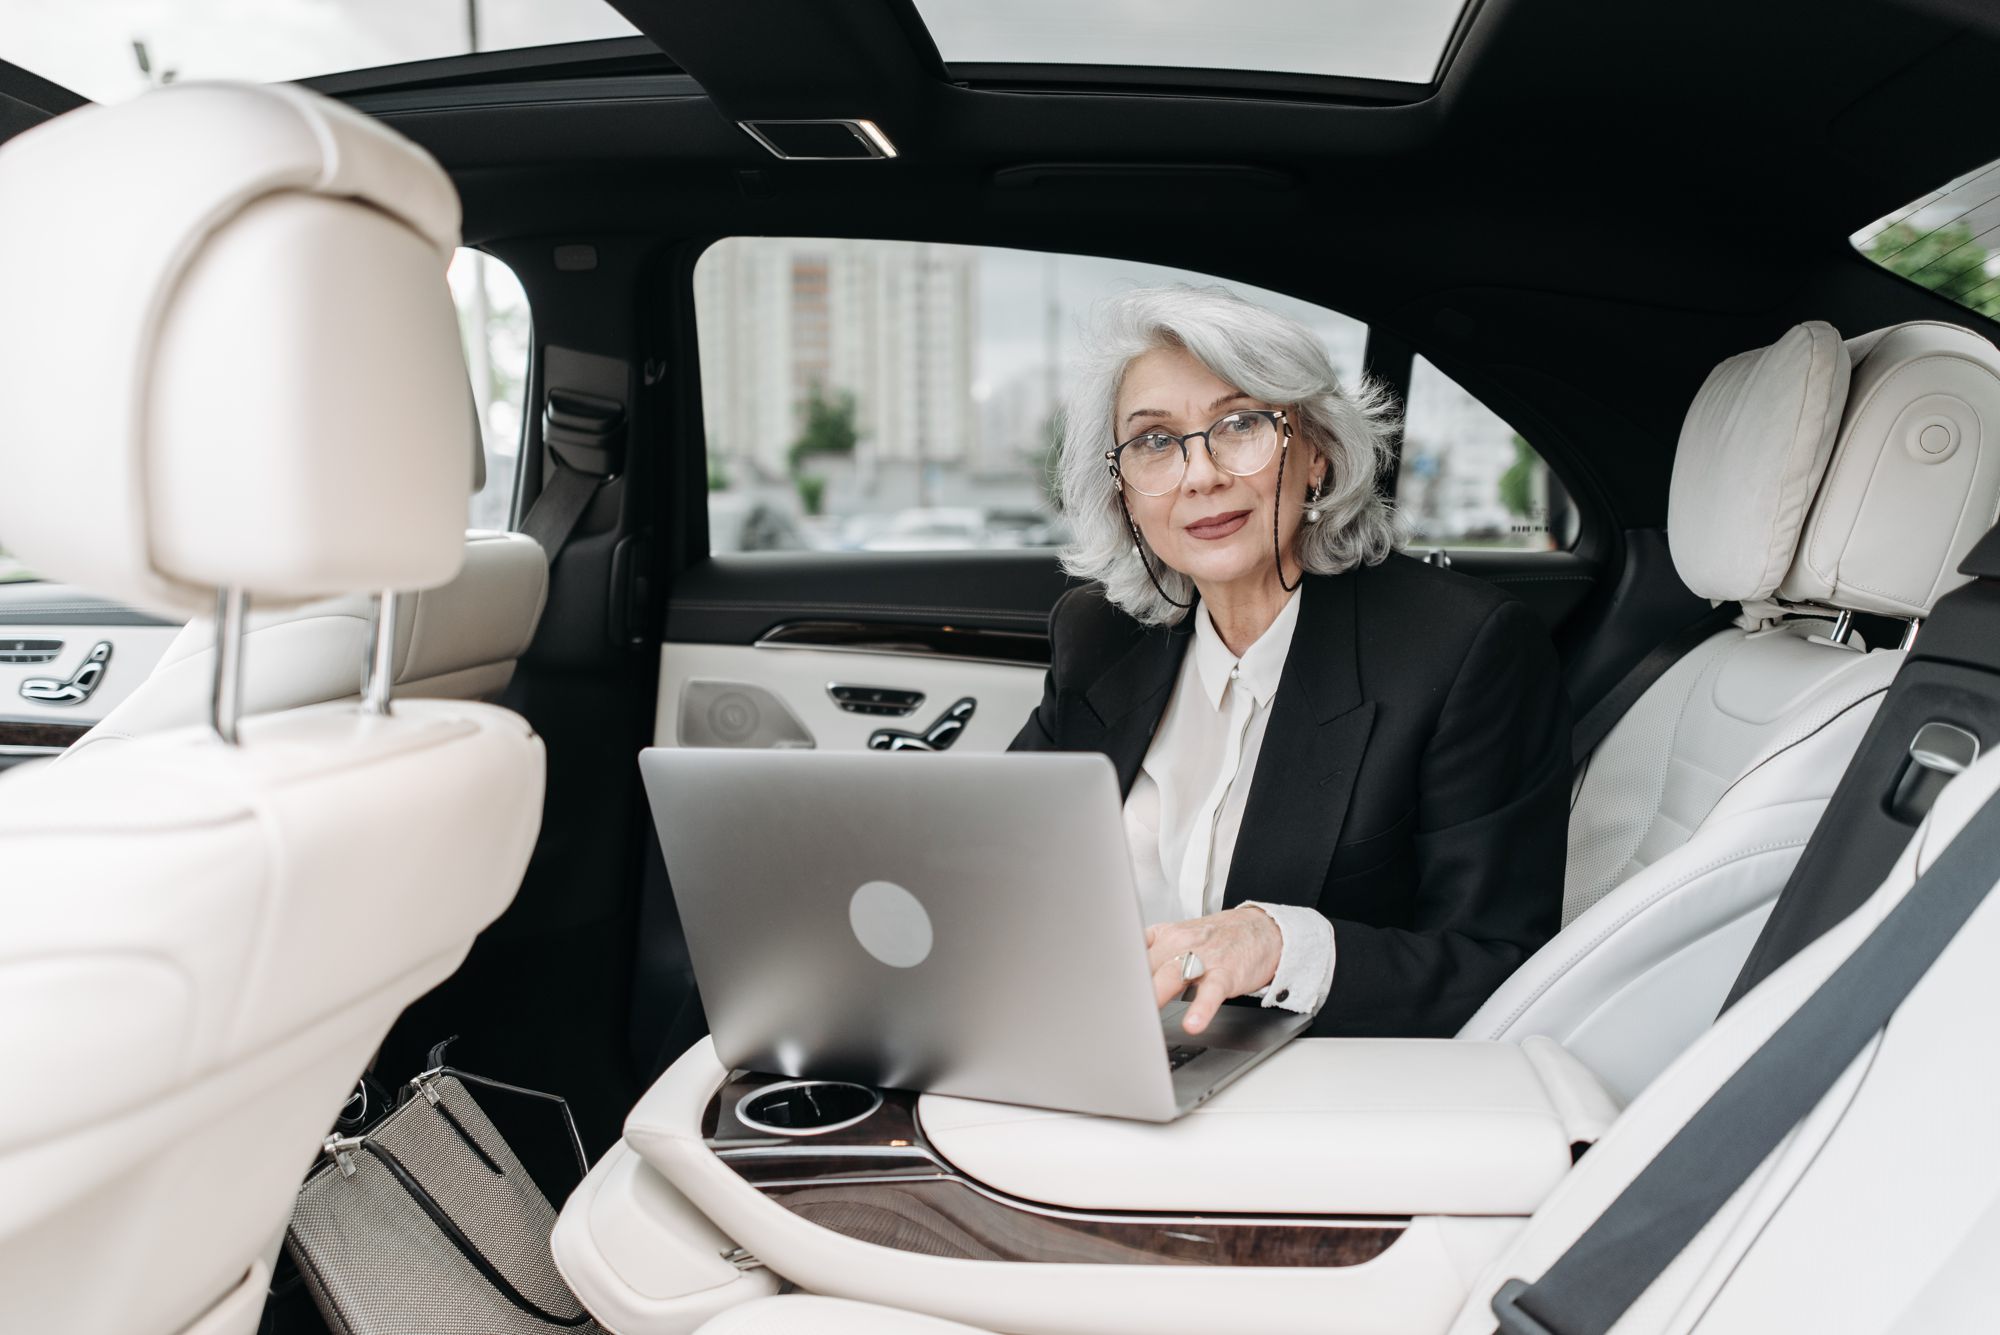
56 691
938 737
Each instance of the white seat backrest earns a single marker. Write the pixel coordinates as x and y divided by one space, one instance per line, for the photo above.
457 641
1879 1213
1688 818
231 363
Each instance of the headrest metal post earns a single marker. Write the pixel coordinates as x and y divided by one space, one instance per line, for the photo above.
380 674
226 696
1843 626
1910 633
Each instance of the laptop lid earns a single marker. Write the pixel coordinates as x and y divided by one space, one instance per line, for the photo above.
964 924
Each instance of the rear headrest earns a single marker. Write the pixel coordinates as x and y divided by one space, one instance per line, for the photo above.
1753 448
1915 477
230 357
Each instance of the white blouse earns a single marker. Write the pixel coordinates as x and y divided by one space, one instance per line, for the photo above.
1186 805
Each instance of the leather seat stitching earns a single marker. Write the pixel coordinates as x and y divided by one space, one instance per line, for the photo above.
1611 929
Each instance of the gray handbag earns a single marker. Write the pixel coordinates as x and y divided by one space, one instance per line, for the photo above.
429 1225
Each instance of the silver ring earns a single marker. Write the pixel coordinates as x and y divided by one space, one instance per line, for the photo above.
1191 966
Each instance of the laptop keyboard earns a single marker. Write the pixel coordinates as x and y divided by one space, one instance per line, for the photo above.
1179 1056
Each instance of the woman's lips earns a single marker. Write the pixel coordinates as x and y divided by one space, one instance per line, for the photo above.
1221 526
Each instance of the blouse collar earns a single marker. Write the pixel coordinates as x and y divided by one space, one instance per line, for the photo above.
1262 664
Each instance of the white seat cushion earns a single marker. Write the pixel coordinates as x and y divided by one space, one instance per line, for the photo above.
802 1314
1877 1213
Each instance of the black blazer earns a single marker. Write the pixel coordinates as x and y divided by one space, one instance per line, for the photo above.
1413 783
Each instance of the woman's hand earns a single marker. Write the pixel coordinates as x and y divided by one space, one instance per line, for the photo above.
1239 950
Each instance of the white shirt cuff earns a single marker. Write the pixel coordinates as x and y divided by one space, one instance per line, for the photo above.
1305 960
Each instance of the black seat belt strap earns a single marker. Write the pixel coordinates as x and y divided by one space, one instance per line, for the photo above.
554 515
585 439
1590 1286
1603 716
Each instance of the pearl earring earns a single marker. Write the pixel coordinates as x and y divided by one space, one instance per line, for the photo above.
1312 505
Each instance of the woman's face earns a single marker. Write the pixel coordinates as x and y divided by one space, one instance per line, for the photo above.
1215 527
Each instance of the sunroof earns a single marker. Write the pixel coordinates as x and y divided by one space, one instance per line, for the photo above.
108 50
1397 41
1949 240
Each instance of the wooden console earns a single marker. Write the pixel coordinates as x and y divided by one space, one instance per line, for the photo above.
880 1181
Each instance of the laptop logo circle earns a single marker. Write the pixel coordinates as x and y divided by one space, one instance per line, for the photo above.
890 924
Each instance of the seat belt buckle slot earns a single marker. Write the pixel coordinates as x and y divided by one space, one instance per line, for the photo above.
585 432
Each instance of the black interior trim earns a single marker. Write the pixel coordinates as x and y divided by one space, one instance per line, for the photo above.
623 88
739 598
632 54
1180 81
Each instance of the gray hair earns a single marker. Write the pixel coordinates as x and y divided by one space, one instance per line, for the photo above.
1262 353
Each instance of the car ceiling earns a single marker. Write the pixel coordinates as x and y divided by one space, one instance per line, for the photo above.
1594 204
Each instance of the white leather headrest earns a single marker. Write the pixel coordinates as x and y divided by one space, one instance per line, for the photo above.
229 355
1752 451
1915 477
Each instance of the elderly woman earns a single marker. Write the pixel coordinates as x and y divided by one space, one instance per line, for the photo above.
1344 770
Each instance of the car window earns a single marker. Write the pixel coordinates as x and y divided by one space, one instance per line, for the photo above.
901 396
493 321
1468 479
1948 241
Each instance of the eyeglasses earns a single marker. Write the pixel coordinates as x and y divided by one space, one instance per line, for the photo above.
1240 444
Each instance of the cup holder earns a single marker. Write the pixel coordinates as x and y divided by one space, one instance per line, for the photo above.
806 1107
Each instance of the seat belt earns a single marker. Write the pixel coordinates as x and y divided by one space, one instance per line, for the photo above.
1603 716
1590 1286
585 437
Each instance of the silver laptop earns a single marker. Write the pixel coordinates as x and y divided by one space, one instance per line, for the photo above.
963 924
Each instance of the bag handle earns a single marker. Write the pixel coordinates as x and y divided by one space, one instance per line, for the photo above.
435 1066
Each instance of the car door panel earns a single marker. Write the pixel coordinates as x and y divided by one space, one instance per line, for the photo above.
746 680
66 660
792 627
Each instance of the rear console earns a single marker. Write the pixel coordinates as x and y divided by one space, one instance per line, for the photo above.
1370 1177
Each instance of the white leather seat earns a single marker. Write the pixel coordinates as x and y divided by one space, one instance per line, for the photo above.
1688 819
806 1314
230 363
458 641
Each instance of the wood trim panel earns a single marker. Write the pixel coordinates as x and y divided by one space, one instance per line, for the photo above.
20 732
965 644
881 1181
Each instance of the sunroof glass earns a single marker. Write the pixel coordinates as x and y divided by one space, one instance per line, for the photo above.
108 50
1398 41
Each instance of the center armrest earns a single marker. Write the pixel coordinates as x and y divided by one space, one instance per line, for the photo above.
1442 1148
1348 1126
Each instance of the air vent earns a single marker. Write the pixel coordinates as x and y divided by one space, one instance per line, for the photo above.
821 140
